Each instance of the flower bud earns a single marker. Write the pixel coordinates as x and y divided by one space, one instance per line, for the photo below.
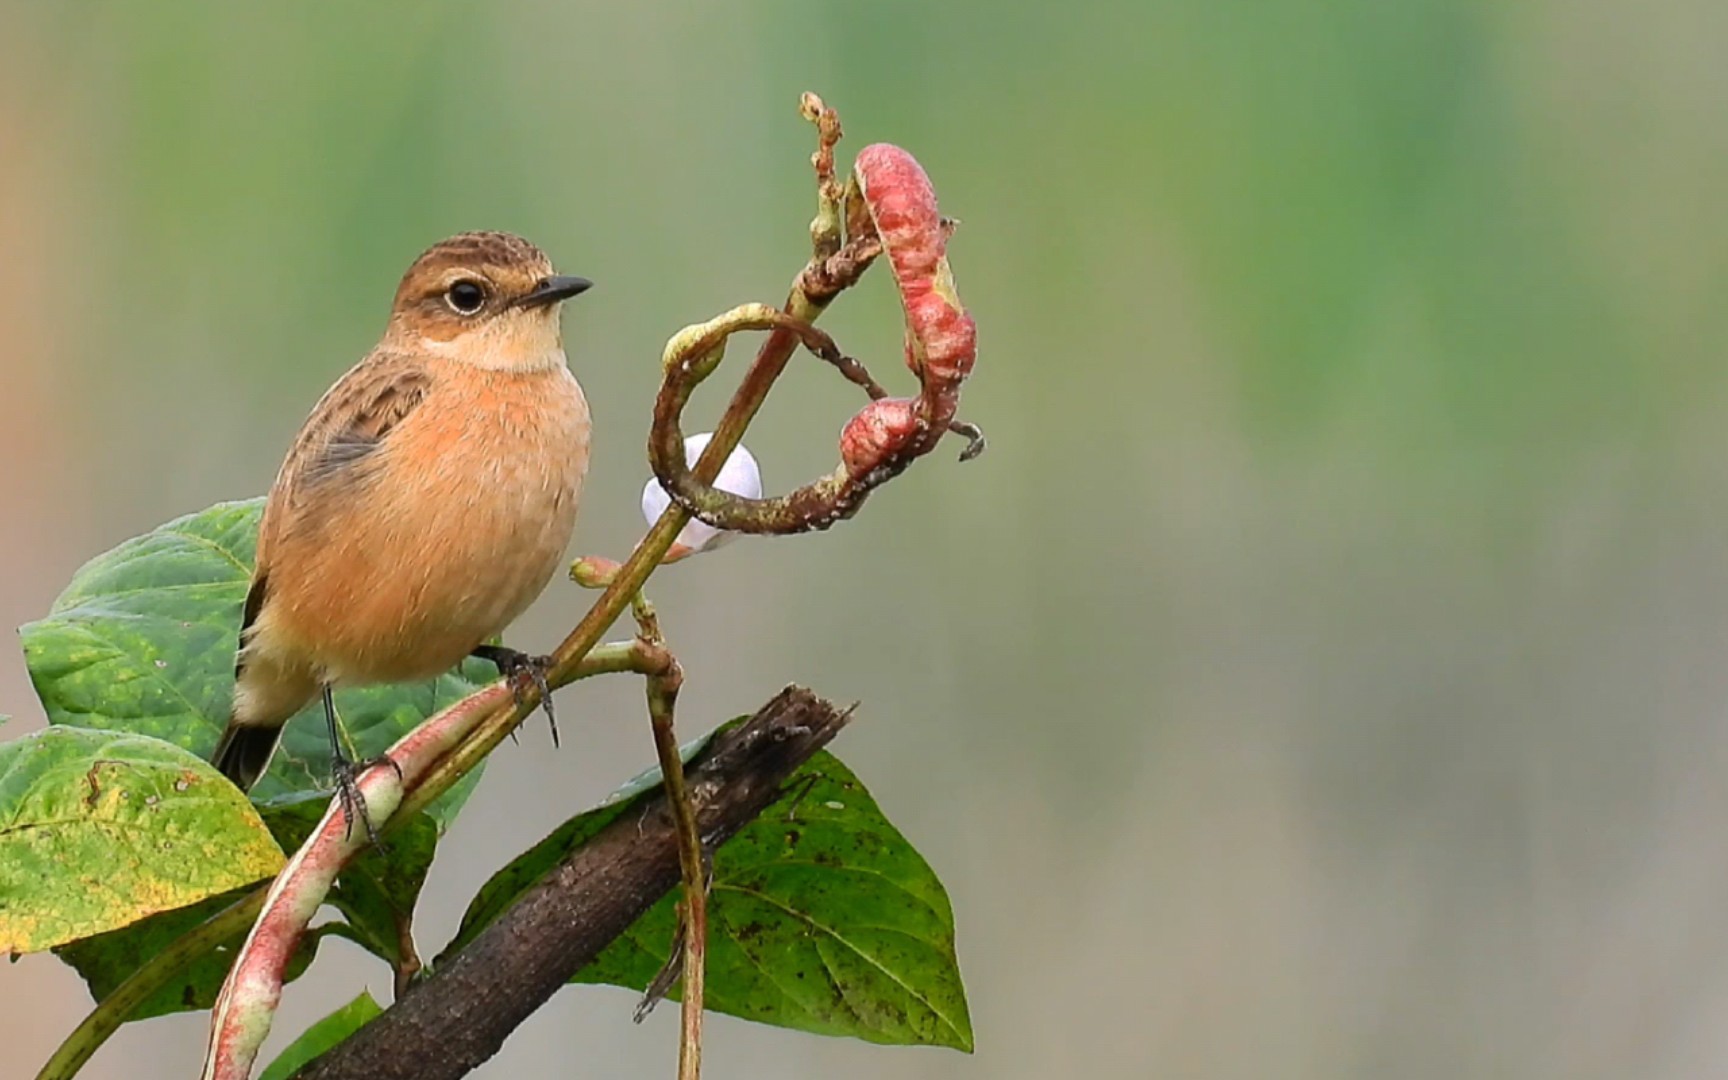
739 476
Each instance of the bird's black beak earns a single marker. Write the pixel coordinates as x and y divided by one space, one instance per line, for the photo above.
553 289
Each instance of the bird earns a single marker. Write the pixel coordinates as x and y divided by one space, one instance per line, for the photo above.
424 504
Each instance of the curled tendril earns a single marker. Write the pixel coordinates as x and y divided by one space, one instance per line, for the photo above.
889 207
691 356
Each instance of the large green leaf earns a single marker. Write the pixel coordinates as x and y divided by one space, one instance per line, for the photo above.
376 895
822 917
143 640
99 829
321 1036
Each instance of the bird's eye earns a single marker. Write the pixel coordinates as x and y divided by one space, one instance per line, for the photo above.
465 297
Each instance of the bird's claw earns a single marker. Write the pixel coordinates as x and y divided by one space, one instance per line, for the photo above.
346 776
524 671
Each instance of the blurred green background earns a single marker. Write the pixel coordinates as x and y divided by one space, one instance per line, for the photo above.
1320 677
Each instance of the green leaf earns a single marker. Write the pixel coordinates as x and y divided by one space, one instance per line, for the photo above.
143 640
321 1036
376 894
107 960
100 829
822 917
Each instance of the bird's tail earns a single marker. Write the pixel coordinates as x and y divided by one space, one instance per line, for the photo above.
244 753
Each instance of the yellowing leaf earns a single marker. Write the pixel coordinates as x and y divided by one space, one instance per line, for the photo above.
99 829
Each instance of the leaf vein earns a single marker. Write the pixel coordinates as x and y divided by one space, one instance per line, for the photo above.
213 546
871 960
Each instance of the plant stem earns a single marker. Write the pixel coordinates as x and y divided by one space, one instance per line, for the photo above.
408 962
662 704
691 865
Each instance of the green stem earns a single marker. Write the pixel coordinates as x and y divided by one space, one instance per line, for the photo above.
620 656
662 698
662 706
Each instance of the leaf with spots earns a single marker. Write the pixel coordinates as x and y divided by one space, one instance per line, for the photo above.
143 640
822 917
376 897
99 829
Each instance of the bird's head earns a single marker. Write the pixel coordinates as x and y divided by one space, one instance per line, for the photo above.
485 298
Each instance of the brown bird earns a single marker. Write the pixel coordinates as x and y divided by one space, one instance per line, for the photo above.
426 502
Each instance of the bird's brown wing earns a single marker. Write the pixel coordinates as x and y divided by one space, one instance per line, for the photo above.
359 418
347 426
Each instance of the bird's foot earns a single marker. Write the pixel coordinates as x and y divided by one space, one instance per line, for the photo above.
346 774
524 671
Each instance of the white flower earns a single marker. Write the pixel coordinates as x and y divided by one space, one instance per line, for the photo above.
739 475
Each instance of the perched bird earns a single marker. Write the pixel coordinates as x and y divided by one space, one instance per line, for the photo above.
424 504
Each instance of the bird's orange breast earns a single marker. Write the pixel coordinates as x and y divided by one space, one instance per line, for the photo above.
455 524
